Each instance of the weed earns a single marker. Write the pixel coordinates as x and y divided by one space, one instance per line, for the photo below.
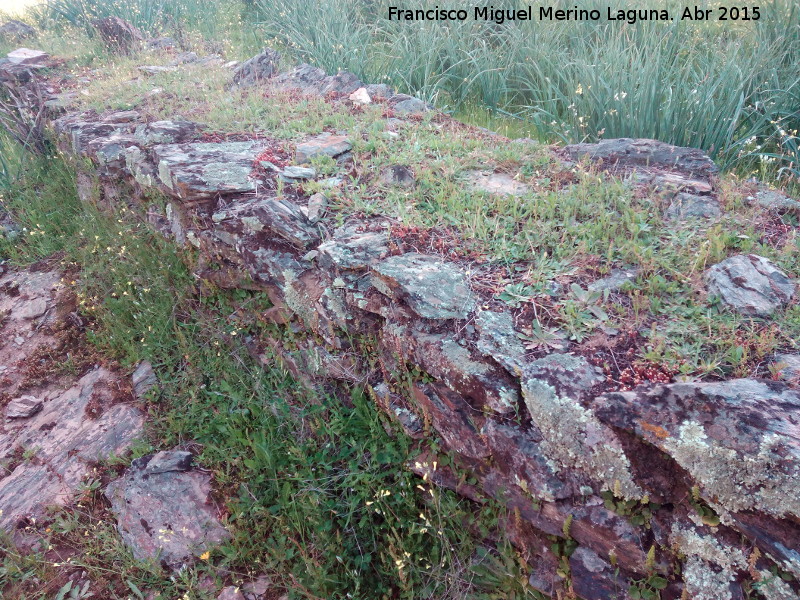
316 492
639 512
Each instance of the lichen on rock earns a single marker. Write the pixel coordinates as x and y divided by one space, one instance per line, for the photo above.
738 482
710 566
433 289
573 438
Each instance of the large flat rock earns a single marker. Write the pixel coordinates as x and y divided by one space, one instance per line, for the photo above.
355 245
739 439
324 144
556 389
750 284
314 81
56 426
260 218
163 510
433 288
628 152
500 184
197 171
27 57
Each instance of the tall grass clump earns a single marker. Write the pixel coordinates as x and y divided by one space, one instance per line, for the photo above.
720 86
213 20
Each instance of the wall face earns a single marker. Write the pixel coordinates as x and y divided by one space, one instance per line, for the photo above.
668 487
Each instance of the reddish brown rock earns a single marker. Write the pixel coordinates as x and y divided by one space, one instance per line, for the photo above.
739 439
63 423
200 171
163 510
453 418
267 219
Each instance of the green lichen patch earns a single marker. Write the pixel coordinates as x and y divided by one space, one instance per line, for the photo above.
573 438
434 289
737 482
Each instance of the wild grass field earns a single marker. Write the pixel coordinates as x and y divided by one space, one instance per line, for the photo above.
318 493
731 88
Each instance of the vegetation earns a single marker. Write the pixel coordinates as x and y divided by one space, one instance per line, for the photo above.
729 87
318 493
571 226
318 496
726 87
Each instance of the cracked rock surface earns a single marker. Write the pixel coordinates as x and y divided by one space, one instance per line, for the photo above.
750 284
163 510
58 424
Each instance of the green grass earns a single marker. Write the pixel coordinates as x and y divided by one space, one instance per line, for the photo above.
717 86
572 227
317 491
730 88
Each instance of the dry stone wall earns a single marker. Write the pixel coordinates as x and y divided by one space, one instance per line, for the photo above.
686 488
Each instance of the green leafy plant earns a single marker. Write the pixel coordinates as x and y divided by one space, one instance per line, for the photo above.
707 514
639 512
648 588
516 294
582 312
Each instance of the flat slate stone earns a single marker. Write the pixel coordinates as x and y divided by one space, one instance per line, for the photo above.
248 217
203 170
354 246
33 309
163 510
615 280
157 69
690 206
316 207
499 340
144 379
776 201
294 173
65 442
555 389
27 57
314 81
322 145
166 132
231 593
433 288
750 284
23 407
496 183
628 152
409 106
398 176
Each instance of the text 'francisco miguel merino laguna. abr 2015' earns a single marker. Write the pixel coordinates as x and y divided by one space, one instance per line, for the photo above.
548 13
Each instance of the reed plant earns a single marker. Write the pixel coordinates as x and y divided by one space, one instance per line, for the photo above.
721 86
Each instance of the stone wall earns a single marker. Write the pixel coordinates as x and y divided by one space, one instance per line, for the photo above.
690 489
